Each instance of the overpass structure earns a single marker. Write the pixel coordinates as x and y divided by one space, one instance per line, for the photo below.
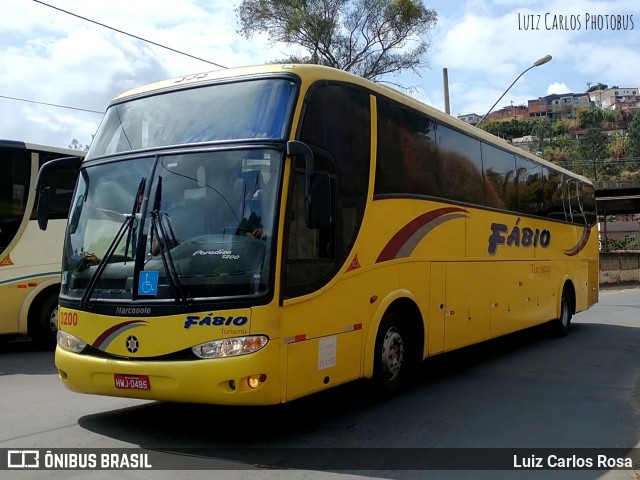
619 197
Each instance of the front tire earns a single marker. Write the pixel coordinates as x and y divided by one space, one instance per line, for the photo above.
43 327
393 356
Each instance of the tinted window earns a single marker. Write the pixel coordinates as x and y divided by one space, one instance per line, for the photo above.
576 207
15 171
589 203
256 109
499 177
407 162
553 202
340 139
530 186
460 163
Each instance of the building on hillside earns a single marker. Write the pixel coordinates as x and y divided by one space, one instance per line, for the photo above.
470 118
616 98
510 112
565 105
538 108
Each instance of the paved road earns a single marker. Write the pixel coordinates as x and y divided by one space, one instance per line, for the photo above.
524 391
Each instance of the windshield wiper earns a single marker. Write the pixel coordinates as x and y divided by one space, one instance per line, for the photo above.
127 226
157 227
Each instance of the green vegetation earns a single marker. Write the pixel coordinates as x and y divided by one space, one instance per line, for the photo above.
603 145
370 38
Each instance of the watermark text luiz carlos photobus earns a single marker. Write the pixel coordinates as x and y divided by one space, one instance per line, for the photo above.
323 459
579 21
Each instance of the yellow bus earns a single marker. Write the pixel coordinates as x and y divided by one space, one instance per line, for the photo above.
251 236
29 258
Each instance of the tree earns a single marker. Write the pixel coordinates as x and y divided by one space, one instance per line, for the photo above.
618 146
590 117
370 38
598 86
76 145
542 129
634 136
591 151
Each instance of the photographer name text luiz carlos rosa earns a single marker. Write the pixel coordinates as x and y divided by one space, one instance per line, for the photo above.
550 21
570 462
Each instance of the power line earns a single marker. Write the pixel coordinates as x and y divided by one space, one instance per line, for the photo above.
52 104
129 34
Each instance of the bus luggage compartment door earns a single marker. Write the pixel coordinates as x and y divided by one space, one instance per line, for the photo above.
317 363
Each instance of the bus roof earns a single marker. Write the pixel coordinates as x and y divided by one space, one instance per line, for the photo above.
41 148
311 73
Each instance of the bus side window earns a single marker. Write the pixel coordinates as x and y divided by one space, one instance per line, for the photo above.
15 169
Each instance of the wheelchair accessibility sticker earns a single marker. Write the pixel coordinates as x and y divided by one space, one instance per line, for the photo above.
148 283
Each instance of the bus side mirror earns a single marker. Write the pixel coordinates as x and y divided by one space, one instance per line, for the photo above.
318 211
44 192
44 200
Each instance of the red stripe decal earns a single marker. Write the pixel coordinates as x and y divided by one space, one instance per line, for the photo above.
392 248
104 335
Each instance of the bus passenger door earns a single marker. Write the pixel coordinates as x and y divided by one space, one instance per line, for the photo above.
466 315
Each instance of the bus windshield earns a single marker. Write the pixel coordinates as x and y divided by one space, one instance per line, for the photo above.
205 227
247 110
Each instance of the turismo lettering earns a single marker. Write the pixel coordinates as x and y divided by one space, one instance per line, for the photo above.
525 237
215 321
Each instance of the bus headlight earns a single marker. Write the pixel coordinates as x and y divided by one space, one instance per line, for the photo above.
70 343
230 347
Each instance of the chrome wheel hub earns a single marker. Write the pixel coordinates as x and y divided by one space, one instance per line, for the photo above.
53 320
392 354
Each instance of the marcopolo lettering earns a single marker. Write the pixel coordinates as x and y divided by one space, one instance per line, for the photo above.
517 237
133 310
216 321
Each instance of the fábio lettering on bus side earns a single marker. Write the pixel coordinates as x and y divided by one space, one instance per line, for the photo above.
517 237
215 321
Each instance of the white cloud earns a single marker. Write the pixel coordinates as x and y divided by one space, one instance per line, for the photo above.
558 87
53 57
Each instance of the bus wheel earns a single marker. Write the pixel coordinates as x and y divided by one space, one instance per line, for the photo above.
44 326
562 324
392 356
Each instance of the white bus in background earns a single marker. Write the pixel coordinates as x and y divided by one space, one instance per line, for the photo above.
30 258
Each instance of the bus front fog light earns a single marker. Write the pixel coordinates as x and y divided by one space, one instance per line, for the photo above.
69 343
230 347
254 381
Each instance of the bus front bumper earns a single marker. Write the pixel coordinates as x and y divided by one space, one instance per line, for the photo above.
251 379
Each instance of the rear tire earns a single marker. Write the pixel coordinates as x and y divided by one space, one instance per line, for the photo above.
393 356
563 323
43 326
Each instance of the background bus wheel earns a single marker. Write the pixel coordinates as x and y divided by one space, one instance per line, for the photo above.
43 325
562 324
393 356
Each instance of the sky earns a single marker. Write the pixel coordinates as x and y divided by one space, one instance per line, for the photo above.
52 57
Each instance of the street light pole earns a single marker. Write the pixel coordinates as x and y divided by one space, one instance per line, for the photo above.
537 63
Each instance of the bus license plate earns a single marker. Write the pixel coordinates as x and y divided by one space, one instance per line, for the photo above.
132 382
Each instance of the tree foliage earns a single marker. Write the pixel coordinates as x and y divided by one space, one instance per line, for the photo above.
618 146
598 86
76 145
634 136
590 117
593 146
370 38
